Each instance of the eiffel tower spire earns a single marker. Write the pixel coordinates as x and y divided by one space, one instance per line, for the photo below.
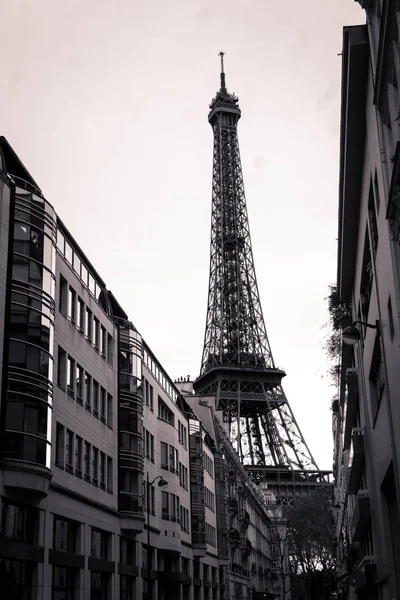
237 364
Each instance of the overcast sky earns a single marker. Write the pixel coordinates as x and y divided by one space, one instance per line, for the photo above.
106 104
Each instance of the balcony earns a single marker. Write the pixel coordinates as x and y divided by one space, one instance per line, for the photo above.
245 546
358 442
233 505
366 574
244 517
361 514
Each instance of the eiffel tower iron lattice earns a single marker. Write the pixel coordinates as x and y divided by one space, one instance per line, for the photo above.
237 363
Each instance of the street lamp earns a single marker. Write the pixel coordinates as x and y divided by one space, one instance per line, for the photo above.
351 335
161 483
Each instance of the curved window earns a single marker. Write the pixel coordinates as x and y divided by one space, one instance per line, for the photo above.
28 407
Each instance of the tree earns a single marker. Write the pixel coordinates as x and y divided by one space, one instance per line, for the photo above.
339 317
310 540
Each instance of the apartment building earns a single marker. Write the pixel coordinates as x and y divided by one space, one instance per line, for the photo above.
366 417
237 525
114 483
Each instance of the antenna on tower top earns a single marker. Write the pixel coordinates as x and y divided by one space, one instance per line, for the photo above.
223 85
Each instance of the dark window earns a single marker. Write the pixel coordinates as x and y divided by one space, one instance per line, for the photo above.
99 585
69 451
127 552
63 299
16 579
78 456
165 505
80 323
102 405
109 474
60 445
103 338
95 466
127 584
65 535
102 470
100 543
70 376
79 382
95 398
390 315
376 377
64 583
110 343
88 391
373 225
164 455
62 368
71 305
18 522
96 333
109 411
86 460
89 325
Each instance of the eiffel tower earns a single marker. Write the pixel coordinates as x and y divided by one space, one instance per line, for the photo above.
237 364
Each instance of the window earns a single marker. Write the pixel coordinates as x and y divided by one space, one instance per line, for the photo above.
127 554
71 305
88 392
391 322
376 377
79 384
149 445
63 299
175 508
152 499
68 252
60 443
184 519
99 585
86 459
102 470
64 583
100 543
182 434
173 460
70 376
109 411
183 476
61 368
165 506
164 412
109 349
95 398
95 466
373 225
18 522
96 333
109 475
103 338
127 584
164 455
64 534
77 264
69 452
78 456
80 315
102 405
84 274
91 284
89 324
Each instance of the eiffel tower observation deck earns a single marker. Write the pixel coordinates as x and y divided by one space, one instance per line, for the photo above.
237 363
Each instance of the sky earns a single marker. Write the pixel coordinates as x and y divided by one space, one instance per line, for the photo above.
106 104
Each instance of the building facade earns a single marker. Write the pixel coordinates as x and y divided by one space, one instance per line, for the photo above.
114 483
366 418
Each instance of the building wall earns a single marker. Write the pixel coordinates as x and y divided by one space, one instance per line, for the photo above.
365 423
